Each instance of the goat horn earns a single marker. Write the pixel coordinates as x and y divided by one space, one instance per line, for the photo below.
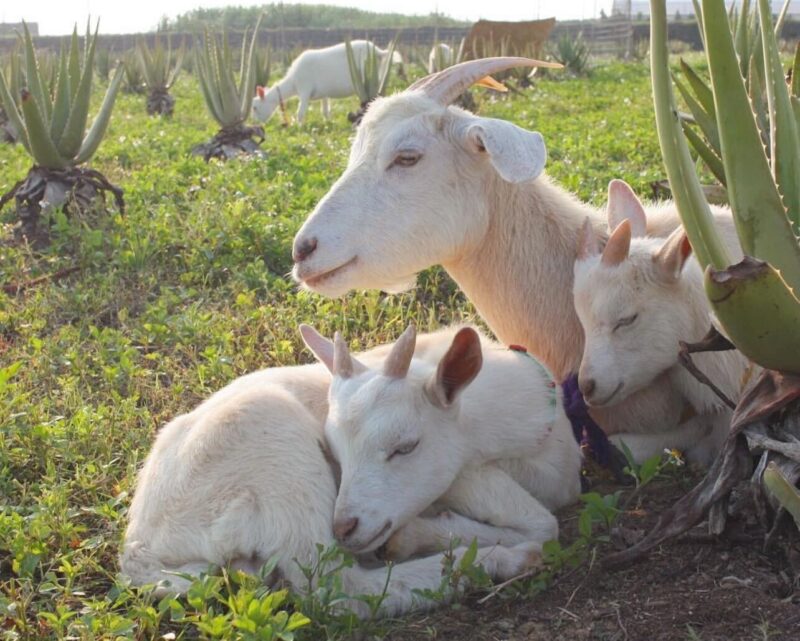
448 84
399 359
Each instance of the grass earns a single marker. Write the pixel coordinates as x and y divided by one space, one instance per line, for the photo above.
184 292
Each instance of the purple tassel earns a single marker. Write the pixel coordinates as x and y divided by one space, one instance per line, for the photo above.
588 433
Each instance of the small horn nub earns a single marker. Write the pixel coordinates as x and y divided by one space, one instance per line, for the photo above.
399 359
447 85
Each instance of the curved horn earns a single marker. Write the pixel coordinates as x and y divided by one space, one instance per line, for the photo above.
448 84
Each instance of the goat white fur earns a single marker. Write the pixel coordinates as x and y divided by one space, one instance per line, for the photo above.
440 52
243 478
636 300
316 74
428 184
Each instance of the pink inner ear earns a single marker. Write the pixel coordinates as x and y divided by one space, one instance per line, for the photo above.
260 91
623 204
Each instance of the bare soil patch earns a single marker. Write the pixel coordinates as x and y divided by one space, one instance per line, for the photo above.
696 587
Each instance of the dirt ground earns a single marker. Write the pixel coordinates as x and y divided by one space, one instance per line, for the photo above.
696 587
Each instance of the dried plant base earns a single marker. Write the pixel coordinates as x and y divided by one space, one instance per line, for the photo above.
766 424
75 189
160 103
231 143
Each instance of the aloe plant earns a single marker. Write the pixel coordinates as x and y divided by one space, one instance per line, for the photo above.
52 127
572 52
134 79
370 76
755 300
228 102
699 124
160 69
103 63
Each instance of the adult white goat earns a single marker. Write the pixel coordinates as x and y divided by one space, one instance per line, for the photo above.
427 184
316 74
636 300
440 57
243 477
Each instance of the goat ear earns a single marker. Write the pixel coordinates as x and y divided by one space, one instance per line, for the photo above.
587 241
399 359
624 205
618 245
516 154
673 254
458 367
260 91
318 344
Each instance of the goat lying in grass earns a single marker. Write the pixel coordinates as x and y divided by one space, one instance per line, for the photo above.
316 74
636 300
243 478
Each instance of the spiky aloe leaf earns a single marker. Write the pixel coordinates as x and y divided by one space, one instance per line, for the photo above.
177 66
209 90
61 104
98 128
760 217
701 90
10 106
759 313
227 86
784 139
355 73
796 71
72 138
704 119
704 150
247 87
34 78
74 65
785 493
686 189
386 67
43 149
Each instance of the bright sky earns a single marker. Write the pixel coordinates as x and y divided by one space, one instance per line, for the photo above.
56 17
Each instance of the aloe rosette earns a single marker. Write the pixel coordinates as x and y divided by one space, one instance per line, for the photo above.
228 102
371 78
159 69
52 125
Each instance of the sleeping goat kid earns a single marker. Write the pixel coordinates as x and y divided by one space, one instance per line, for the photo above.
316 74
636 300
244 478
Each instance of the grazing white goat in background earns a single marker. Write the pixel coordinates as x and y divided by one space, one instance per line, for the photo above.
316 74
244 478
428 184
636 300
440 57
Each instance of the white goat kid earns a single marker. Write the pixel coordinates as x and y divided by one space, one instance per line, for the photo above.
427 184
243 478
470 442
316 74
440 57
636 300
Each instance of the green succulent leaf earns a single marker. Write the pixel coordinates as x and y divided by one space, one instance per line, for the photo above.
760 216
34 78
100 124
43 149
72 138
784 138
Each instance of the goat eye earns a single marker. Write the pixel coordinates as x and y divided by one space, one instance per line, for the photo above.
624 322
406 159
404 449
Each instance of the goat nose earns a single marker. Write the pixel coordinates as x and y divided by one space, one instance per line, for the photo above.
587 386
343 529
303 249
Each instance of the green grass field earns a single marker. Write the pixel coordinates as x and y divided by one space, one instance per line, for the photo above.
184 292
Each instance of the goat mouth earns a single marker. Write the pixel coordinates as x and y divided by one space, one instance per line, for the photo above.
316 280
608 398
376 540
